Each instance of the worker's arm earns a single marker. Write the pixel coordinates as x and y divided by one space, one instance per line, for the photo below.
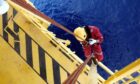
96 34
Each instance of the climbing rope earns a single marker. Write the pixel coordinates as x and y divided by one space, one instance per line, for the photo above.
35 11
74 76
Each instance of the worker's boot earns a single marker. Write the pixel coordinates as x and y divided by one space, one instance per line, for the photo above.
94 60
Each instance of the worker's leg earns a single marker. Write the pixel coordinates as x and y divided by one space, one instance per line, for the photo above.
97 50
87 50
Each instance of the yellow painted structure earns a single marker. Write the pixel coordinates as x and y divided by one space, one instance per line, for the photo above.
48 57
13 69
126 73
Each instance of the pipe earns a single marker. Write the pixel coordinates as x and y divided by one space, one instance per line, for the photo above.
105 68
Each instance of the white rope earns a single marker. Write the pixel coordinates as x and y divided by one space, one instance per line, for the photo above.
92 75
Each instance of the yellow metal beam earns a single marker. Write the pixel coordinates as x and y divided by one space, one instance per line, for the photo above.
35 56
135 79
22 44
47 41
64 75
49 69
13 69
133 67
32 26
10 25
23 10
43 40
1 26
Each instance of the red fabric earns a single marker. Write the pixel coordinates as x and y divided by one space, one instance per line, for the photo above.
96 48
96 34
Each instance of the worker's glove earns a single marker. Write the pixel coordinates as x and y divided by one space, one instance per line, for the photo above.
92 41
84 43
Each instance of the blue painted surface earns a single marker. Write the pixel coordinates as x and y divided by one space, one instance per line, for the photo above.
118 20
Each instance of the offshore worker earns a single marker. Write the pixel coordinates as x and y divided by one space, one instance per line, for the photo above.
91 39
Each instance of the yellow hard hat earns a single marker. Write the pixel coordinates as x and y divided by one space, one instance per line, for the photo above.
80 34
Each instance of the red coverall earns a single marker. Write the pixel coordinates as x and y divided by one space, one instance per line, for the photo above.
95 48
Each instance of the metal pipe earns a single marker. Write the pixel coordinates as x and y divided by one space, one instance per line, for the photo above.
105 68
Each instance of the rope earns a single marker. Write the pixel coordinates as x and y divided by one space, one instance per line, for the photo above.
74 76
35 11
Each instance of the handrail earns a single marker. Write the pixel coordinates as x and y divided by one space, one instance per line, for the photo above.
128 70
105 68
